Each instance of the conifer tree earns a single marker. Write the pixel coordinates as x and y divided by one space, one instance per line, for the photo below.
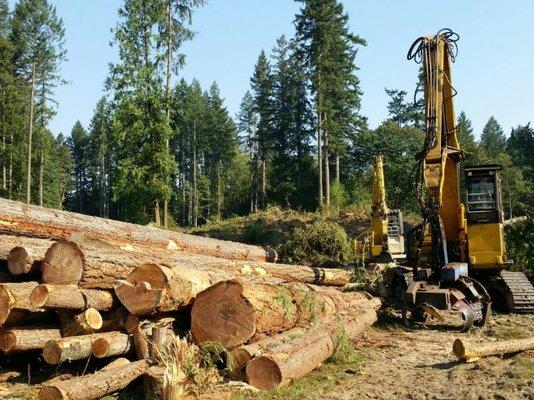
262 87
492 139
329 51
38 40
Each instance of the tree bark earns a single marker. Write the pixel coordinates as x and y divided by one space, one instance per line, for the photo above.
337 168
88 321
71 297
97 385
19 219
168 100
281 362
71 348
105 263
234 312
15 296
319 159
26 338
119 344
326 158
41 171
473 352
30 135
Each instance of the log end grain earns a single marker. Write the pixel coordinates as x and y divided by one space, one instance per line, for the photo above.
221 314
19 261
100 348
93 319
8 341
63 263
52 393
459 349
6 304
39 296
263 373
52 352
139 298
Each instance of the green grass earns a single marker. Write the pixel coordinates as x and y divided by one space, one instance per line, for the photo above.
315 385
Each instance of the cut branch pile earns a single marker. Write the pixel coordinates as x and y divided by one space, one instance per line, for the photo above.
74 287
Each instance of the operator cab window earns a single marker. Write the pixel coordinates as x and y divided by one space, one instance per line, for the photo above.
481 193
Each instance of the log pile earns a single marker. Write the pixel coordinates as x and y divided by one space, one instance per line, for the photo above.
74 287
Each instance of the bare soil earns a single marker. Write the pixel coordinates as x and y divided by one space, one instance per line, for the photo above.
419 364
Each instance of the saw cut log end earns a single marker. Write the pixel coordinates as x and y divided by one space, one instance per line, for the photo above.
63 263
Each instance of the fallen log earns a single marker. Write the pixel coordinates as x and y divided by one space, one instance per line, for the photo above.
473 352
282 361
23 219
116 345
15 297
107 262
97 385
71 348
233 312
26 338
71 297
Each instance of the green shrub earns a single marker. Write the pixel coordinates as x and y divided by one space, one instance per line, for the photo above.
321 243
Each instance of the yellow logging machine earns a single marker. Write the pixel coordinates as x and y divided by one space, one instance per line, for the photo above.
457 256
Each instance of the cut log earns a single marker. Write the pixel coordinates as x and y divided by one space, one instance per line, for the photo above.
114 320
97 385
118 362
161 288
71 348
23 219
473 352
233 312
15 296
107 262
26 338
63 263
88 321
70 297
280 362
151 336
21 261
116 345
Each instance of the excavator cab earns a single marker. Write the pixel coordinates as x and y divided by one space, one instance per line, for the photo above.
486 247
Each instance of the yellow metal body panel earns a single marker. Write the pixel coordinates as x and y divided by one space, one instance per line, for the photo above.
486 246
379 210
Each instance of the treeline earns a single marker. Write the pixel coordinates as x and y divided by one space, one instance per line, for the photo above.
163 150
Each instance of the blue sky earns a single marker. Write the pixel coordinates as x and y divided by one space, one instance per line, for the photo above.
494 72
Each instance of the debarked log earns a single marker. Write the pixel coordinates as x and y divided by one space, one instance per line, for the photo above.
472 352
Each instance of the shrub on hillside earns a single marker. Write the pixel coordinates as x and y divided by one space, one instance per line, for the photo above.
321 243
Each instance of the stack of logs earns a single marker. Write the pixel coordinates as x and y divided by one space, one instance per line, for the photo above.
75 287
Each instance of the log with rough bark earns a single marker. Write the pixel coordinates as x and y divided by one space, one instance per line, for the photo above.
23 219
71 297
233 312
71 348
15 297
280 362
107 262
97 385
116 345
26 338
63 263
88 321
473 352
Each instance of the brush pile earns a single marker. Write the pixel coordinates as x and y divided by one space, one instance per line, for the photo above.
79 291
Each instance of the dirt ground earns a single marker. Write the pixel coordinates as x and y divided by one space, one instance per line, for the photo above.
400 364
419 364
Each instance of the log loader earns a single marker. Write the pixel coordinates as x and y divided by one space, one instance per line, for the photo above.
457 256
